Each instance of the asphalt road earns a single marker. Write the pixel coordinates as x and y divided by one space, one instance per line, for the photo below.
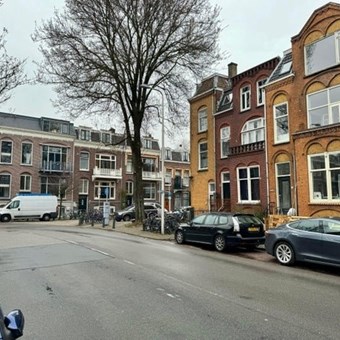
82 283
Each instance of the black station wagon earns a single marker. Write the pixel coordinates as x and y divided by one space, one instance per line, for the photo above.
223 230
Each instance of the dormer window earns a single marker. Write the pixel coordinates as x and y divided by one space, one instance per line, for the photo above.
106 138
168 154
85 134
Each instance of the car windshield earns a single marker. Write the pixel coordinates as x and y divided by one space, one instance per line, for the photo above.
129 208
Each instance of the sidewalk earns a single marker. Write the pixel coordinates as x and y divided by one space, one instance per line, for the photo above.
122 227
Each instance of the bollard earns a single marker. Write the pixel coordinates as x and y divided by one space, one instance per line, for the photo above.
113 222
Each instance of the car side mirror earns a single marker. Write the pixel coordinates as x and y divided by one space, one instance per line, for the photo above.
14 322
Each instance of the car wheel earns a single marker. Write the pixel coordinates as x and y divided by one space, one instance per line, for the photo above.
219 243
284 253
127 218
5 218
46 217
179 237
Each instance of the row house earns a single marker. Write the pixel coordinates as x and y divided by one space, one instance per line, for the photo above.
83 166
303 120
202 141
272 136
240 140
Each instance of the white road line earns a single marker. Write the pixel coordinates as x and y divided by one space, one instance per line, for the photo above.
129 262
99 251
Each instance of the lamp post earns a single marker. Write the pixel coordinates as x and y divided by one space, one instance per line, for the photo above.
159 90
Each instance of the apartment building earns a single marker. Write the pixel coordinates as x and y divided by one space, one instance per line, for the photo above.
203 106
240 140
83 166
303 120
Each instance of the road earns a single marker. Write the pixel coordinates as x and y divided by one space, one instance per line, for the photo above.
83 283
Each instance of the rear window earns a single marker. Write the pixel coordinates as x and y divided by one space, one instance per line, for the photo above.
248 219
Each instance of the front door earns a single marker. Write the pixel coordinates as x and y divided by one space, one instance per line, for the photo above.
284 193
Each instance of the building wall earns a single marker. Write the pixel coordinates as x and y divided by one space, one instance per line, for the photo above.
304 141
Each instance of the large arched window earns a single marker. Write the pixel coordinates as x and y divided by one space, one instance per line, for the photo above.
253 131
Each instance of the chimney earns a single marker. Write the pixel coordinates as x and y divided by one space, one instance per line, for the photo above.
232 70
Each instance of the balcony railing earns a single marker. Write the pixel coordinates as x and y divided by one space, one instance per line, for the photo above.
252 147
50 166
106 173
156 176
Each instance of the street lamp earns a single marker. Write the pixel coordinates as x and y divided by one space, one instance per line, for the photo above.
152 87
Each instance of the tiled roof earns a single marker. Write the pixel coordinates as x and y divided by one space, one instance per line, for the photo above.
283 69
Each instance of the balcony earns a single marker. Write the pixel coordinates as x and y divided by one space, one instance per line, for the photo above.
106 173
151 175
247 148
50 166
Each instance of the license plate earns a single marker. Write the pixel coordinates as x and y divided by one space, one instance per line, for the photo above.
253 229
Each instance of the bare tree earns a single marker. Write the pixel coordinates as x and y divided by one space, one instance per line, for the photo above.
11 70
97 53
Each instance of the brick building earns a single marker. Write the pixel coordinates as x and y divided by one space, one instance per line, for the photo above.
83 166
303 120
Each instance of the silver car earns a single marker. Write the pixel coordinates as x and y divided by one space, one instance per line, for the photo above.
311 240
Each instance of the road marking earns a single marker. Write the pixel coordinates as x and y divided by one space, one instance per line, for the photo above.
129 262
99 251
73 242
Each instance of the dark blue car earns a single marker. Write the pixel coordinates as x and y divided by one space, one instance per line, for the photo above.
222 230
312 240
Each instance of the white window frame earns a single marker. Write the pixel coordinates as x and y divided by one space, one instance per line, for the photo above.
84 186
5 185
323 193
245 95
27 156
149 190
260 89
334 51
102 160
6 155
201 154
27 183
85 134
325 109
284 137
82 160
129 187
225 141
203 120
98 185
106 137
253 131
249 181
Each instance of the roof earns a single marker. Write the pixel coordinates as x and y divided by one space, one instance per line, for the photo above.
283 69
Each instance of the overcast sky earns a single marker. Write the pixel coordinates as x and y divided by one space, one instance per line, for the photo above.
256 31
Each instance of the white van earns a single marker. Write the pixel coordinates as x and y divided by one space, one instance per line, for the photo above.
39 206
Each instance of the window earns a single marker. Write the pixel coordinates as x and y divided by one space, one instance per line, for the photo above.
85 134
106 138
149 164
325 176
129 167
149 190
53 185
56 127
185 156
25 183
249 184
202 120
203 155
6 152
5 184
26 153
168 176
104 190
54 158
129 187
225 181
147 143
84 160
225 141
245 98
322 54
186 178
105 161
324 107
83 186
253 131
168 154
260 91
281 131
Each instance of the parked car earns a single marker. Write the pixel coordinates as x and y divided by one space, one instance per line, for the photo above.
312 239
127 214
222 230
12 324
